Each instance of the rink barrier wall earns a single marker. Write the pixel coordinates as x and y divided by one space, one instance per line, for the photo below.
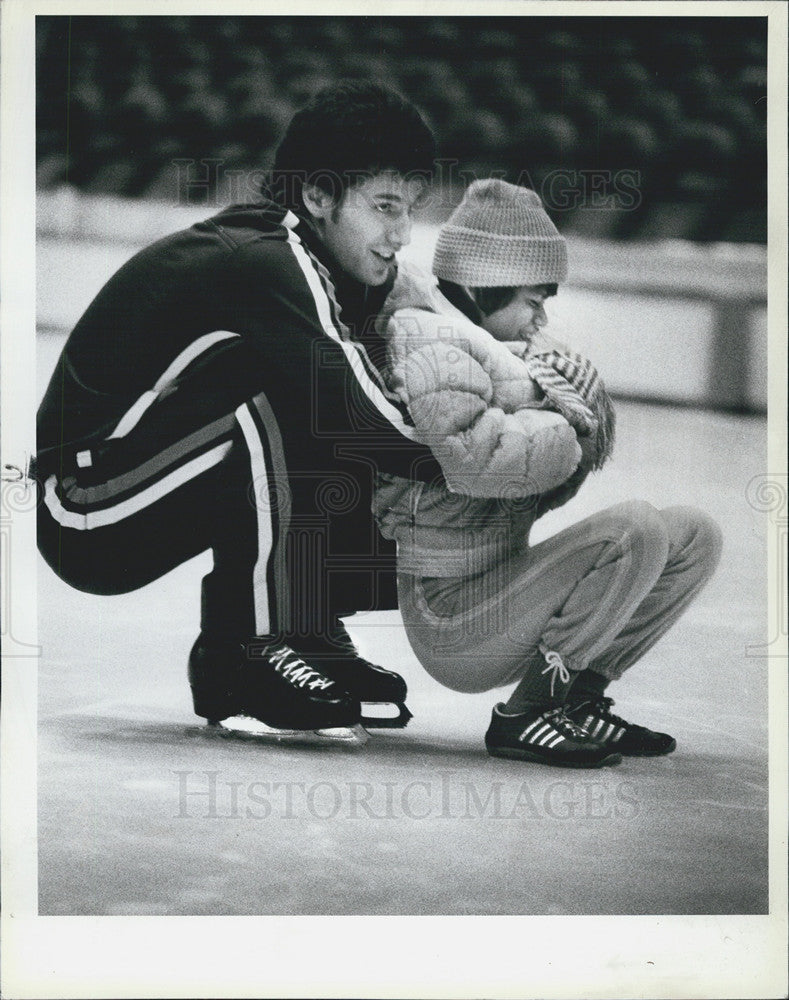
667 321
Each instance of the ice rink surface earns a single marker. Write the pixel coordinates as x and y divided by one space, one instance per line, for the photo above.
142 810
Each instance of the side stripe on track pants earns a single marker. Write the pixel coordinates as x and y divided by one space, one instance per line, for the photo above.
224 486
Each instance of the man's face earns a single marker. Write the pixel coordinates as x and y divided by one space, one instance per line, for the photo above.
522 317
370 225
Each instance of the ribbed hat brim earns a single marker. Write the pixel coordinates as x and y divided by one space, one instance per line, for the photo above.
479 259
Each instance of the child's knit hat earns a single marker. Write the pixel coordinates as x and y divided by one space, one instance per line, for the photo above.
500 235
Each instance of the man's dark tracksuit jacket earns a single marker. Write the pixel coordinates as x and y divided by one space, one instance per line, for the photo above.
221 392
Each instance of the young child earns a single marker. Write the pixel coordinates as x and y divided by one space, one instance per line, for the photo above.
517 428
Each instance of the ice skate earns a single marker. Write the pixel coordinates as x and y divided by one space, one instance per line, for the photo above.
263 690
382 692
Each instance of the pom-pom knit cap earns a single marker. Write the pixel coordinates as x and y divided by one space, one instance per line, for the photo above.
500 235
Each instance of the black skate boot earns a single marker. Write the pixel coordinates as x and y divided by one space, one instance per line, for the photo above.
263 688
381 692
595 715
546 735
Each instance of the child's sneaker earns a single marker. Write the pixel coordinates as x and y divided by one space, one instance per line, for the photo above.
595 715
546 735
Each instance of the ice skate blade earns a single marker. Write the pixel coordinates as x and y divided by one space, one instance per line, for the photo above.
385 715
253 729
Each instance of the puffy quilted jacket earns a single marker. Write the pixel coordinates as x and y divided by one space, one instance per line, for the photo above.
500 449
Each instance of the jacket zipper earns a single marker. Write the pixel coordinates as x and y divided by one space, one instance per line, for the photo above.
415 497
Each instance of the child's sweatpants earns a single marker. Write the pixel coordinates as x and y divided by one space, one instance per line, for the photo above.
600 593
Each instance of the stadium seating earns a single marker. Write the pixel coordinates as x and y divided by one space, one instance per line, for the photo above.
576 106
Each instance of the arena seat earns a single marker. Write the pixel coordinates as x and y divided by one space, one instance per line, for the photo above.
671 100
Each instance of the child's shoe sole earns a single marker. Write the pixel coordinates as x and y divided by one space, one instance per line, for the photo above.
516 753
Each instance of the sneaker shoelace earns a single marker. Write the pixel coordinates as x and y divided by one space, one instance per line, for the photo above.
556 668
560 719
602 708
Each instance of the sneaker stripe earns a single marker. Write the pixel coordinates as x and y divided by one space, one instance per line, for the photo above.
542 732
537 731
534 735
537 725
602 731
598 725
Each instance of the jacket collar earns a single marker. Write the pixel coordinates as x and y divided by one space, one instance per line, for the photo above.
461 300
356 300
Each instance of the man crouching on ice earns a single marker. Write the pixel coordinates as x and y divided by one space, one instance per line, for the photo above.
217 394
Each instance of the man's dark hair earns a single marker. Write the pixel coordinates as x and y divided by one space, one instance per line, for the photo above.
345 133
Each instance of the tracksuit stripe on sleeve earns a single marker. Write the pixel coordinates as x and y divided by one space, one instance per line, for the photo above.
322 305
189 354
373 373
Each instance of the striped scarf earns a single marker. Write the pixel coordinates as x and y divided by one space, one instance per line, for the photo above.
573 387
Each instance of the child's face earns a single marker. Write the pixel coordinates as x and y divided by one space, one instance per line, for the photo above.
522 317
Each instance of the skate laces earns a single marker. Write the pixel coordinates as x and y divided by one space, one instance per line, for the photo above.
290 665
555 667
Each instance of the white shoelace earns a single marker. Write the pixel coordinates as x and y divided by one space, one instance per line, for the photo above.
297 671
555 666
563 721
